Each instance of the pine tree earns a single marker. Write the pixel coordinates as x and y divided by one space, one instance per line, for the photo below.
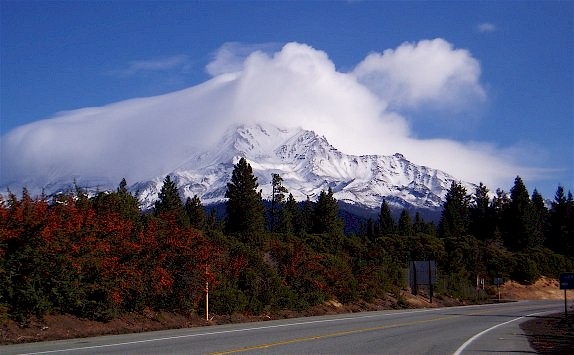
419 226
245 211
168 197
120 202
454 219
169 202
386 221
522 230
540 213
195 212
557 236
405 225
277 198
482 222
369 229
123 188
306 221
326 218
289 216
499 208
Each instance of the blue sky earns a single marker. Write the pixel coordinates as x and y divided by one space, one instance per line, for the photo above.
64 55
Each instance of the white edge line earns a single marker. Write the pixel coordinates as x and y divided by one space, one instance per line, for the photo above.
476 336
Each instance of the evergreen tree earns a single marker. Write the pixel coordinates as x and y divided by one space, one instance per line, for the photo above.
195 212
419 226
454 219
540 213
386 221
168 197
123 188
245 211
121 202
499 208
289 216
522 229
306 221
326 218
405 225
482 222
169 202
369 230
557 237
277 198
129 204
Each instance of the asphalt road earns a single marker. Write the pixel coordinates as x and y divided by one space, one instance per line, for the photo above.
454 330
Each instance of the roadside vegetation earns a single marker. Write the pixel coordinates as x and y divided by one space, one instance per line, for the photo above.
101 257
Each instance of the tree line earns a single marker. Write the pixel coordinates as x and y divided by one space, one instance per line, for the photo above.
98 257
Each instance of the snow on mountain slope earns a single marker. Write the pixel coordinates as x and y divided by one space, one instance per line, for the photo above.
308 164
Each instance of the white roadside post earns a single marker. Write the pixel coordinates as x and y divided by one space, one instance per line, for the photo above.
206 294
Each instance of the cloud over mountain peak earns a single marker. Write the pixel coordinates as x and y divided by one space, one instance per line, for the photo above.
297 86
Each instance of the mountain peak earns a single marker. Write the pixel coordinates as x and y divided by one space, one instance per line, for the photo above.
308 165
305 160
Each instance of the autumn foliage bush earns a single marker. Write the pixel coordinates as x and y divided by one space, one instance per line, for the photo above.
71 257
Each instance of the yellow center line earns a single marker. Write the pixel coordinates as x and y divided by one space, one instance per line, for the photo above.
329 335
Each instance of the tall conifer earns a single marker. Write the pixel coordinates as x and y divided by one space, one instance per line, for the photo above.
277 198
195 212
326 218
522 228
481 217
454 220
169 202
386 221
405 224
245 211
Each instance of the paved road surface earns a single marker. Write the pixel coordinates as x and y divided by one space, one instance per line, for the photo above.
455 330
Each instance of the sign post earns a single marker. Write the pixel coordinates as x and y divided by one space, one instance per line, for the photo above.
422 272
566 283
206 293
498 282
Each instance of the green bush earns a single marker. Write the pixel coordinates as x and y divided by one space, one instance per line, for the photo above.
525 269
226 298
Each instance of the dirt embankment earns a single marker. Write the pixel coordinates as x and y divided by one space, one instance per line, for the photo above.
543 289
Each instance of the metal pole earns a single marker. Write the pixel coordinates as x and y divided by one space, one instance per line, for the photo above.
430 283
415 277
565 306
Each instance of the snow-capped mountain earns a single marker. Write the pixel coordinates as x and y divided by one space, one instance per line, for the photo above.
308 164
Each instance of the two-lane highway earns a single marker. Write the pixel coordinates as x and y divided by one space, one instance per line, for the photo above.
454 330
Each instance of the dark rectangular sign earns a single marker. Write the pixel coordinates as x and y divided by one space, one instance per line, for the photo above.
423 272
567 281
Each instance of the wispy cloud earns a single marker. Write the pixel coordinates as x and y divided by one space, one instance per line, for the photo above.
178 62
486 27
229 58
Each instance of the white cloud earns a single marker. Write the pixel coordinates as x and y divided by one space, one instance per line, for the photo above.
176 62
296 86
486 27
428 72
229 58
